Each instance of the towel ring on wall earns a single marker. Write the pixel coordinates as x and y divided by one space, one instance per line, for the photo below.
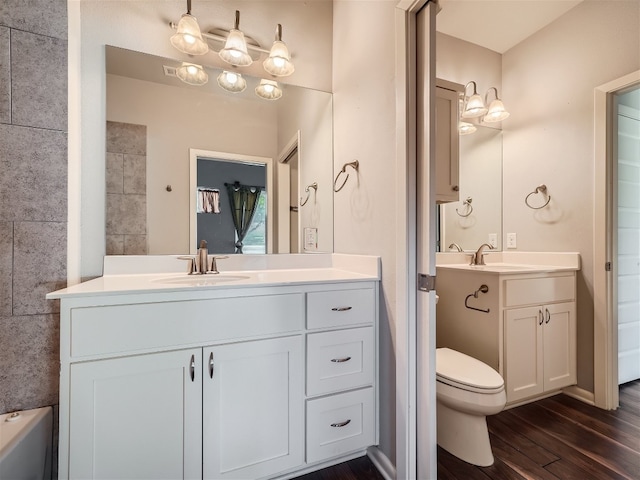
355 165
466 203
314 185
539 189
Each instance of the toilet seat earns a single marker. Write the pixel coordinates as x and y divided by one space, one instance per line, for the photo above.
467 373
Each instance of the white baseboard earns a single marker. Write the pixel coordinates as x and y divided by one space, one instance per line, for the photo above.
580 394
382 463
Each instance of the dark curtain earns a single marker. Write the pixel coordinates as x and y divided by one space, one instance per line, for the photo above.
244 201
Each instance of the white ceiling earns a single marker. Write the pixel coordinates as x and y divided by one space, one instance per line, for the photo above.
498 24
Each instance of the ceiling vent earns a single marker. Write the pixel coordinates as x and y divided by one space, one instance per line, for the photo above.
169 71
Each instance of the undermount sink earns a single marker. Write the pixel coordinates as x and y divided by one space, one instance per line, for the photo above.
200 280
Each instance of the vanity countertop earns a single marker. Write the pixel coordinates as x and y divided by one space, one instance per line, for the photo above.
510 268
325 268
512 263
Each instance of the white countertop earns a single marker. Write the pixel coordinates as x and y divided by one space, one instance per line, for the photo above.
512 263
509 268
332 269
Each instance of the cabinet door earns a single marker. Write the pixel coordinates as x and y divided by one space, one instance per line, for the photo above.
560 345
447 145
524 362
137 417
253 408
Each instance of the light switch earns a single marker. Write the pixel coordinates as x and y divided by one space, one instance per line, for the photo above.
310 239
511 240
493 240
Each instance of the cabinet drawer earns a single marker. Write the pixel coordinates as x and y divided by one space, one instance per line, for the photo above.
340 424
339 308
339 360
117 329
530 291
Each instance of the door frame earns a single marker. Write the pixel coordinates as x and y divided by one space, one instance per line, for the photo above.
605 339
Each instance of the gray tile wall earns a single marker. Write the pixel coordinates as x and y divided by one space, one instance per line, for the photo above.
126 184
33 199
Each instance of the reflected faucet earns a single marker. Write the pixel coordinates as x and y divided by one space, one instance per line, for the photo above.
478 257
456 246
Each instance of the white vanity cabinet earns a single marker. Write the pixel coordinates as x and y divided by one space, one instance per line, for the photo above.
524 326
447 141
539 335
213 383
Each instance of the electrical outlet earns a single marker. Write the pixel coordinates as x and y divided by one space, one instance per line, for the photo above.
511 240
493 240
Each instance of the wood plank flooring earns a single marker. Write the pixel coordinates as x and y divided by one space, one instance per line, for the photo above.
555 438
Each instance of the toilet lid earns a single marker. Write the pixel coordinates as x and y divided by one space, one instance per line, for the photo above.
458 369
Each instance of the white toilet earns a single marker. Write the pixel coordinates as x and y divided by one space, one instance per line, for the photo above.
467 390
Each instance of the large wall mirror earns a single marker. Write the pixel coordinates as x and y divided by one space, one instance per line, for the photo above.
154 120
477 217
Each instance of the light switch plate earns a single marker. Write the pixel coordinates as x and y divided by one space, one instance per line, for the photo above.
310 239
511 240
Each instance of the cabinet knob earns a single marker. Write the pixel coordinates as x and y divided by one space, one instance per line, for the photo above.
340 360
341 309
455 188
341 424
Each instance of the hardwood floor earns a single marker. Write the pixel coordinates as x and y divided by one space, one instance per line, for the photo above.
559 438
555 438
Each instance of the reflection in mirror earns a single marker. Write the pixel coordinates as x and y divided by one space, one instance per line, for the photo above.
232 209
171 117
472 221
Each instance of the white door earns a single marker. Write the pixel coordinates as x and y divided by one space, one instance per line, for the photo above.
559 345
628 258
253 408
426 452
524 362
137 417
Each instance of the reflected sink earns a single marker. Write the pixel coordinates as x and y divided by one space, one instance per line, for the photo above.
200 280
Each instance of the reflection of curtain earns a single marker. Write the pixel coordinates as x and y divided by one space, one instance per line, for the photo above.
244 201
208 200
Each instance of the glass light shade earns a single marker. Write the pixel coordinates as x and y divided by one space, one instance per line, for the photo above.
235 50
192 74
269 90
466 128
279 63
188 38
232 82
474 107
496 112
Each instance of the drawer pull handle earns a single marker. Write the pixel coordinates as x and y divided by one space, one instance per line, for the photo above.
192 368
340 360
341 309
548 314
211 365
341 424
540 317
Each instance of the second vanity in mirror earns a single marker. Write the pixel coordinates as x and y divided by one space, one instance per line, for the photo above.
516 313
270 370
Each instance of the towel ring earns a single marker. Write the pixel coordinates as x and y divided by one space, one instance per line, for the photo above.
466 203
355 165
314 185
539 189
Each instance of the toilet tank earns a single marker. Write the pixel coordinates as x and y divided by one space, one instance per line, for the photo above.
25 444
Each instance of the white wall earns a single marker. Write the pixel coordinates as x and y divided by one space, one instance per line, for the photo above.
142 25
364 129
549 80
178 119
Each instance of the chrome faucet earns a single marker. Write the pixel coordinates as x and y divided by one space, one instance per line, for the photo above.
456 246
478 257
202 262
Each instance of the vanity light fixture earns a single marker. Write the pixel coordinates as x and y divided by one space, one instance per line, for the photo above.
496 112
192 74
473 105
279 63
466 128
269 90
188 38
232 82
235 48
